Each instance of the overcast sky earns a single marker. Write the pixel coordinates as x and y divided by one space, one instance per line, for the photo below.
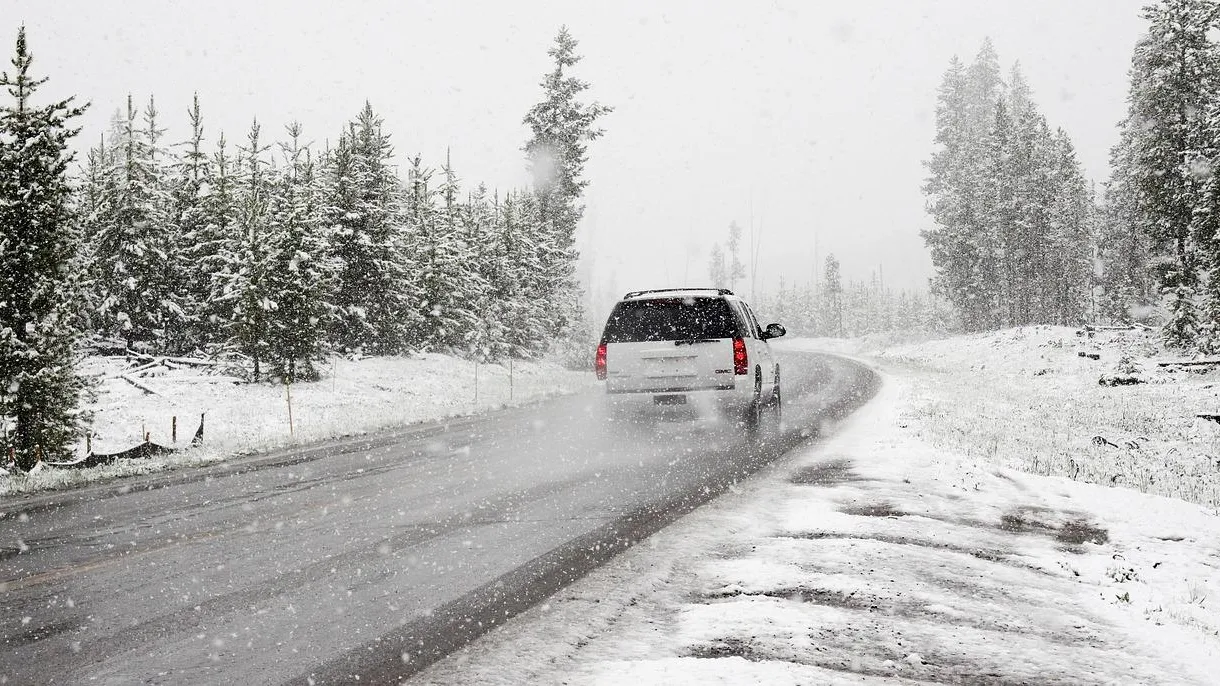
813 117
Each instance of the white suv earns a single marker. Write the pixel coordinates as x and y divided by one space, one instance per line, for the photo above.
689 351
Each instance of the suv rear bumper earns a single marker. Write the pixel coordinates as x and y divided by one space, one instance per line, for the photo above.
680 403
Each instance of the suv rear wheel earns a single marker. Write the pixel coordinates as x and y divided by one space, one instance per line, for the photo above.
754 411
777 403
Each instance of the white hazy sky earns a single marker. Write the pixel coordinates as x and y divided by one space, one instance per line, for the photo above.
817 115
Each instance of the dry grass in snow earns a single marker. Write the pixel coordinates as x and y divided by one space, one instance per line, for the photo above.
1025 398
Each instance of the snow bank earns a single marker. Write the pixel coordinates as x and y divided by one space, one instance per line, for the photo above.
355 397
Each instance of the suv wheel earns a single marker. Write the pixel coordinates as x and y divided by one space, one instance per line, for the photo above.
777 403
754 411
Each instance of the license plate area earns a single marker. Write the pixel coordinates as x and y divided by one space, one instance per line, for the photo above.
669 399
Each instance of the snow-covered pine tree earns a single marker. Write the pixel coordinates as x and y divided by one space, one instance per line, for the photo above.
952 190
438 257
486 338
561 127
39 295
92 208
246 260
364 219
1125 249
736 270
196 242
1160 162
832 297
455 286
216 246
136 300
170 314
296 268
524 313
717 270
990 295
1070 242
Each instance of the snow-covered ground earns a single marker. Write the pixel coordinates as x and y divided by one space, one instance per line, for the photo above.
902 549
356 396
1026 398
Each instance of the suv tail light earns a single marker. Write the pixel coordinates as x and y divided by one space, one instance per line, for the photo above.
741 363
599 364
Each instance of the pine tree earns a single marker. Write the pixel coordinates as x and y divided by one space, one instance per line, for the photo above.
1160 162
442 272
38 289
216 246
561 127
198 244
483 265
735 269
952 188
247 260
1071 241
717 270
363 216
136 299
833 297
522 311
296 268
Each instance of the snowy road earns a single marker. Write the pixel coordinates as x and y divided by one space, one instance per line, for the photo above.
369 557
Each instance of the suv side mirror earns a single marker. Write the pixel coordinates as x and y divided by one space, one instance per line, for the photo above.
774 331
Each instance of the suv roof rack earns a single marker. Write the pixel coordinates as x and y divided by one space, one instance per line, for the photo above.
719 291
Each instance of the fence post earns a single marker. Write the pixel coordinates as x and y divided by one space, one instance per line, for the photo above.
173 429
510 378
288 390
476 382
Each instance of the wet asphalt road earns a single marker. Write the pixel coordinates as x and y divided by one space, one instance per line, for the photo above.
368 558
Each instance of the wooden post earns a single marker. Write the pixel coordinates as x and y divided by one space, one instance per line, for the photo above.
88 442
288 390
476 382
173 429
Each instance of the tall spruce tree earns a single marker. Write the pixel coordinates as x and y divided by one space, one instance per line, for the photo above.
296 267
484 263
216 245
247 260
196 241
832 294
561 127
717 269
40 389
1160 164
364 218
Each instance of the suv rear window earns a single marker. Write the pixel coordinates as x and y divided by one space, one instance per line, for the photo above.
670 319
